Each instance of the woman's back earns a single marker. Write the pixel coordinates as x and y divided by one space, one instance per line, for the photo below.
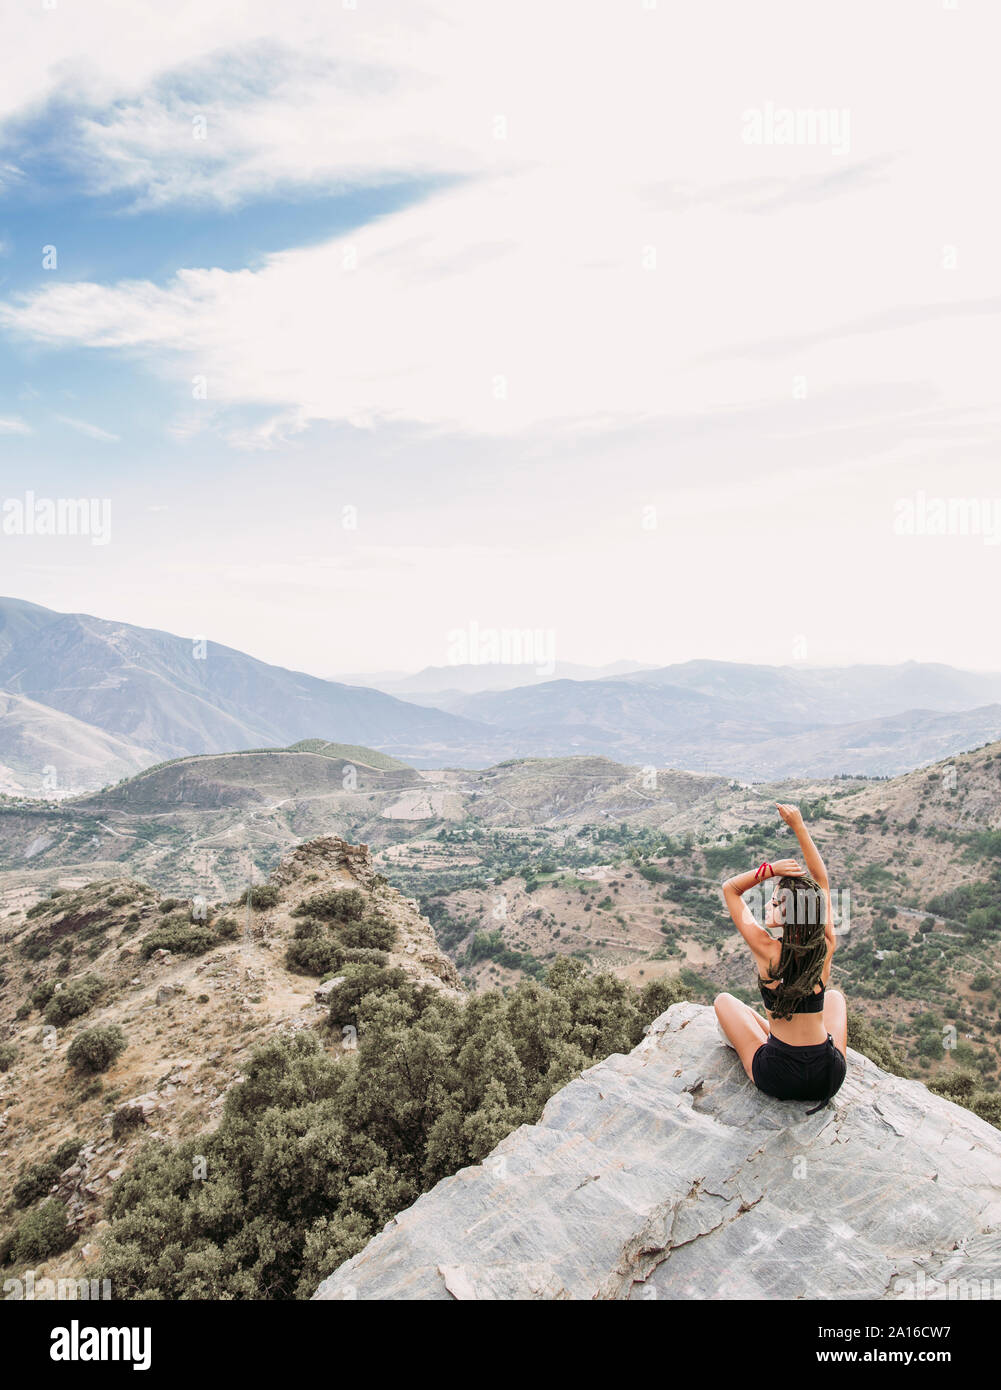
804 1027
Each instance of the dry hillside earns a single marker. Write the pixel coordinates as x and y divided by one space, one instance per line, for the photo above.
190 1020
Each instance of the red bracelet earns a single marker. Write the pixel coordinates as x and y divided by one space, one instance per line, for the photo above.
759 872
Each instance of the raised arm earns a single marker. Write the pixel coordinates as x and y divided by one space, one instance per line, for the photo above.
793 817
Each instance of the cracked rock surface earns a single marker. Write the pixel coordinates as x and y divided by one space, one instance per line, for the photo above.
666 1174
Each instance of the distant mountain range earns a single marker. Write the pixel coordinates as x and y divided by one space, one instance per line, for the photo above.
163 696
831 695
441 686
97 700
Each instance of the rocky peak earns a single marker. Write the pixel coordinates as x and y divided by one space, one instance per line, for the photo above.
328 856
330 862
666 1174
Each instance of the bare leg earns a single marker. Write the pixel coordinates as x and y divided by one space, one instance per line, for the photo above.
746 1029
836 1018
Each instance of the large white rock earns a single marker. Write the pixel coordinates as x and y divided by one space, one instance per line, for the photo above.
666 1174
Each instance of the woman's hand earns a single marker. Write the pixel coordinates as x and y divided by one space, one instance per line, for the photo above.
787 868
792 815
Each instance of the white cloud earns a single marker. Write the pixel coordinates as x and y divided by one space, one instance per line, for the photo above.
91 431
14 425
778 270
522 299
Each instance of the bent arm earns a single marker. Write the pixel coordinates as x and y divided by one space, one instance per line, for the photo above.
744 920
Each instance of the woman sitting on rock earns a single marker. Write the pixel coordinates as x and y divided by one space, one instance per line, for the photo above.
798 1053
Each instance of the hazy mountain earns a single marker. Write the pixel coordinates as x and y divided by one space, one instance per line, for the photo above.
628 720
163 696
46 752
873 748
172 697
751 722
833 694
441 685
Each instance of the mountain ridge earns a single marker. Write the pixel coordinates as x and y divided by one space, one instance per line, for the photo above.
175 696
162 696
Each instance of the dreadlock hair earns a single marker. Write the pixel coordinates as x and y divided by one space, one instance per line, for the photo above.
804 944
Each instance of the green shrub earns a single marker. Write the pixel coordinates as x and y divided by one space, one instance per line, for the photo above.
95 1049
363 955
360 980
862 1037
319 948
123 897
74 999
8 1056
930 1045
313 950
45 904
37 1180
126 1119
42 1233
181 937
335 905
261 895
42 993
226 928
964 1088
370 932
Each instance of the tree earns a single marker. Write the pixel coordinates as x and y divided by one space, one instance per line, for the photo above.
95 1049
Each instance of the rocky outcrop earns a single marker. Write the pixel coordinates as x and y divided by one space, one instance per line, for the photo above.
666 1174
333 862
328 855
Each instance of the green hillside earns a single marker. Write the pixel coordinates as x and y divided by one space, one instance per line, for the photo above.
353 752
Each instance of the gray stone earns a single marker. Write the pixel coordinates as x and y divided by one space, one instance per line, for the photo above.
666 1174
323 992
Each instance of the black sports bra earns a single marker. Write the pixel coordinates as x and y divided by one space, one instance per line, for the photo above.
811 1004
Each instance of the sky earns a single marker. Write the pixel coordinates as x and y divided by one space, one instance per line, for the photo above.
656 331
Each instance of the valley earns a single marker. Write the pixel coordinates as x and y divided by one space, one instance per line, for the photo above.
523 863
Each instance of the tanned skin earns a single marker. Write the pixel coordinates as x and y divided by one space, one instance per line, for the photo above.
744 1026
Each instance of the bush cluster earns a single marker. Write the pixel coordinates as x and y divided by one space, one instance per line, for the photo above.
966 1089
344 929
334 905
181 936
42 1233
261 895
37 1180
318 1149
74 999
126 1119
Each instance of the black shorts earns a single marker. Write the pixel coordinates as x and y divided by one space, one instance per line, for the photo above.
798 1073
